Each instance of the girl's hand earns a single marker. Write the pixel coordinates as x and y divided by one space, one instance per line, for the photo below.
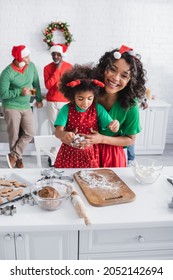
114 126
68 138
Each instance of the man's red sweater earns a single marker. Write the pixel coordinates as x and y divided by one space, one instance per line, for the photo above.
52 76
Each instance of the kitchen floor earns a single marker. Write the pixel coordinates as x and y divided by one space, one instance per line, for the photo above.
31 161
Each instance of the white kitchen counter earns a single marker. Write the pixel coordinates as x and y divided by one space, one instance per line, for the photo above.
150 208
142 229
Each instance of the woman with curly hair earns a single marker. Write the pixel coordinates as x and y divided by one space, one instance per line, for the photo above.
124 77
79 116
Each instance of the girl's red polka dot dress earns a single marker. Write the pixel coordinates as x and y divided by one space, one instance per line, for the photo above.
70 157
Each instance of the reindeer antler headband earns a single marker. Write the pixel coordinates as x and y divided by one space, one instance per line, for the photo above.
123 49
78 82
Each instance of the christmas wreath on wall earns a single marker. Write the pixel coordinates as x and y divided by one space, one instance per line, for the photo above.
54 26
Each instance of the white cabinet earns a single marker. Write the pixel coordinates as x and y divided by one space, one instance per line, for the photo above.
138 243
60 245
7 246
151 140
42 125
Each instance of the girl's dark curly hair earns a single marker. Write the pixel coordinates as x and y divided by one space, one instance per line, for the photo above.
84 73
135 87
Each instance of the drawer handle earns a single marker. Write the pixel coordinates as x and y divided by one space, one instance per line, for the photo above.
19 237
7 237
141 239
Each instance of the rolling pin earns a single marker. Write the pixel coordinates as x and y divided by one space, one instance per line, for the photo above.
80 207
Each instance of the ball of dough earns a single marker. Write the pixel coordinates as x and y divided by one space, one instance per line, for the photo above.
48 192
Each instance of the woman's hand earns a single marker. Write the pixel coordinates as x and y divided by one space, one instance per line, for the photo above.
90 139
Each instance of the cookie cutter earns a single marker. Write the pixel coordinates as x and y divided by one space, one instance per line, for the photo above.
28 199
8 210
49 172
77 140
53 173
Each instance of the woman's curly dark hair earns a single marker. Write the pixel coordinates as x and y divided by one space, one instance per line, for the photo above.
135 87
84 73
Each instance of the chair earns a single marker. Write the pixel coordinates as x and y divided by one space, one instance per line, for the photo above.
43 144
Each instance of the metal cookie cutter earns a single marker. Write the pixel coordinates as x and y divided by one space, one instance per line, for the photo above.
54 174
77 140
49 172
8 210
28 199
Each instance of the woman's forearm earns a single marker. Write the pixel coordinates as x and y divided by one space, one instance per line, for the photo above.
119 140
97 138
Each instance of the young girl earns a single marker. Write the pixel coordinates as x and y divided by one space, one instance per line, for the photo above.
80 116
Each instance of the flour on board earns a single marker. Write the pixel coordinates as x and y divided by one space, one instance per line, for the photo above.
97 180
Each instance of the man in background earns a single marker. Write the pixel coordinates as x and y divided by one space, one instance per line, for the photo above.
18 81
52 75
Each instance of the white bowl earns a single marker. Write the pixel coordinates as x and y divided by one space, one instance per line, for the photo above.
147 170
61 189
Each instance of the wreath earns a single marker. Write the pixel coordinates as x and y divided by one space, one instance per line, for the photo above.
52 27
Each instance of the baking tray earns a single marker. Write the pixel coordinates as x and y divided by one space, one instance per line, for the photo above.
19 179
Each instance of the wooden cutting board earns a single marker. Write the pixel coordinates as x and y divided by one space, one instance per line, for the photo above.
103 187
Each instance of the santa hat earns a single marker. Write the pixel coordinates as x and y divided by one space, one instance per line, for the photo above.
123 49
59 48
19 52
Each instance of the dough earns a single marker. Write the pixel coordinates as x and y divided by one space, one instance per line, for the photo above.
48 192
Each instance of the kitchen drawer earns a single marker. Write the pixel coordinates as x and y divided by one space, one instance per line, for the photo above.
126 240
130 255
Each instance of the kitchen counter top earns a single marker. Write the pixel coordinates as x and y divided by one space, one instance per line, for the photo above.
154 103
150 208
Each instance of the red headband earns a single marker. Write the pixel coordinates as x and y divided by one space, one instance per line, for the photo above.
78 82
123 49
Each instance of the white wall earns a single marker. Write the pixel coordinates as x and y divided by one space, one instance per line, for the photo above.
97 26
